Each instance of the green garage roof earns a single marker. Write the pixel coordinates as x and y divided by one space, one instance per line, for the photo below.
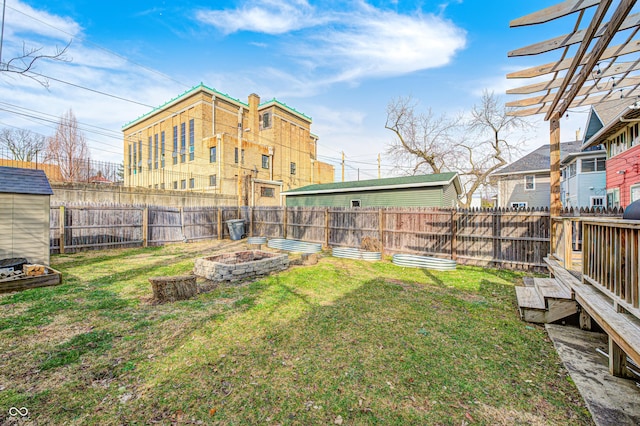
377 184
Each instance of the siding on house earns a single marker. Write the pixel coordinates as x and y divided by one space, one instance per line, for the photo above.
406 197
24 226
450 197
629 162
511 190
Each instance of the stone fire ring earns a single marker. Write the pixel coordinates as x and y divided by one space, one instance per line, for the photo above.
240 265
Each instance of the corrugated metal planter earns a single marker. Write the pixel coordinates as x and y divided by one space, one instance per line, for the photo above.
257 240
294 245
412 261
354 253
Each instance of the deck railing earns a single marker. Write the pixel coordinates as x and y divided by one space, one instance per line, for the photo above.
610 258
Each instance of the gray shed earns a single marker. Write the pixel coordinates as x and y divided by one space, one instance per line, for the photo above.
24 214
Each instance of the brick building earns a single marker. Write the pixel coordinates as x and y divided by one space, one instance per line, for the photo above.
194 143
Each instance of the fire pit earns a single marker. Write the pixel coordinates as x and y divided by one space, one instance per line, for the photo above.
240 265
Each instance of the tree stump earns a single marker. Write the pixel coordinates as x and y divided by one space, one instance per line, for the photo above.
170 289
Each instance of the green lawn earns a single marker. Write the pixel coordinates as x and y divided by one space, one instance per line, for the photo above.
341 342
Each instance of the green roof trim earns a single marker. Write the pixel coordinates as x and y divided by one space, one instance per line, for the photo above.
285 106
386 183
181 96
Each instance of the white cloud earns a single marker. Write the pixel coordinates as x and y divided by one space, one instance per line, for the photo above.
263 16
88 68
348 45
21 18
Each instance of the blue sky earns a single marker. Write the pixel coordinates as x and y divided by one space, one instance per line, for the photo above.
338 62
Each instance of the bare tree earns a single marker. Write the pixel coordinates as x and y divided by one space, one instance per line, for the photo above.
473 147
24 145
424 142
68 149
25 63
492 145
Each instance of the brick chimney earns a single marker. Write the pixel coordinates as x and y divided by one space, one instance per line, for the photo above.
254 118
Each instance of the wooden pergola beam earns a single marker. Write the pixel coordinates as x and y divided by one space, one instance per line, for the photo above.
580 102
610 53
571 39
618 17
553 12
585 90
612 71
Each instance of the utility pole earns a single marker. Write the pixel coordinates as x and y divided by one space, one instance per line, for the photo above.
378 166
239 158
4 6
343 166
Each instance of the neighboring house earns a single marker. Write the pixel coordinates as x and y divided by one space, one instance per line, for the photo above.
24 214
526 182
437 190
191 143
616 126
583 179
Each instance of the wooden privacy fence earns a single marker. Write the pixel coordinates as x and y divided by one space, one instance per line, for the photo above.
504 238
91 227
517 239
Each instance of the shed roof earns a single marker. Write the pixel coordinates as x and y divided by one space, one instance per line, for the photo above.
378 184
538 160
15 180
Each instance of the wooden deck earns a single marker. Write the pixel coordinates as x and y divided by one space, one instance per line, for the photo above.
622 328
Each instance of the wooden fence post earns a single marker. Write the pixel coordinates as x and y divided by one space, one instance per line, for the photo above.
381 230
250 230
145 226
61 225
326 227
454 234
184 237
219 225
284 223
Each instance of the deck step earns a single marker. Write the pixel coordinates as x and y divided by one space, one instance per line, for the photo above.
529 297
551 288
545 300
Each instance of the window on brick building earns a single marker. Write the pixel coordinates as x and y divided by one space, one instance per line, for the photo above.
191 140
293 168
265 120
235 156
265 161
213 154
265 191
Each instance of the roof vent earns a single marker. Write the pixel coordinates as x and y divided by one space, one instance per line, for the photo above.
632 212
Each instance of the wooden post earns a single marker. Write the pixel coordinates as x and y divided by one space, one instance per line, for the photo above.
617 360
284 223
454 234
61 225
568 246
554 155
326 227
250 221
220 233
145 227
381 225
182 222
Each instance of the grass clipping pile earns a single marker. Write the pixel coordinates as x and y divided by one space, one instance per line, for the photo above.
371 244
